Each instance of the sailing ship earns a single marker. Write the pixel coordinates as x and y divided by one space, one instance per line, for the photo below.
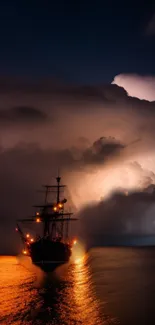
54 247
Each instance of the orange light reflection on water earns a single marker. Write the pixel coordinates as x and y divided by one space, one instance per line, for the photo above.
60 300
78 304
16 293
87 305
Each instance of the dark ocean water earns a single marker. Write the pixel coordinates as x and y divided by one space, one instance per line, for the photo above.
108 286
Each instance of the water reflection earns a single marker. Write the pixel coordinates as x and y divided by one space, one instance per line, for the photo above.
16 291
30 297
87 307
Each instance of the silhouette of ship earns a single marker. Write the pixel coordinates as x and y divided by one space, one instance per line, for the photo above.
54 247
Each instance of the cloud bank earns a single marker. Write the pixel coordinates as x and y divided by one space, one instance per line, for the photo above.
102 140
142 87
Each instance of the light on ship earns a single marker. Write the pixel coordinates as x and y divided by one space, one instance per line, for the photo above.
38 220
32 240
55 208
27 235
37 214
75 242
24 251
60 205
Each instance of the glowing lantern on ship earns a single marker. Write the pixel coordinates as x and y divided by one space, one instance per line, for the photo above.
60 205
24 251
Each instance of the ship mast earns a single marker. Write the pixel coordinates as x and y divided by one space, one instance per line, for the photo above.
47 216
58 188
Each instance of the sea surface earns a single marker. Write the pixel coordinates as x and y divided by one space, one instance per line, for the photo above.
106 286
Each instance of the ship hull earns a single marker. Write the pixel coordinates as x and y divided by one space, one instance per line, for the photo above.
48 266
48 255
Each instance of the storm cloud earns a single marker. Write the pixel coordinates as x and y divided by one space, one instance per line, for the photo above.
21 114
101 139
120 218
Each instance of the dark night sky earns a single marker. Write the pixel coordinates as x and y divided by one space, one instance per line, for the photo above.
81 41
